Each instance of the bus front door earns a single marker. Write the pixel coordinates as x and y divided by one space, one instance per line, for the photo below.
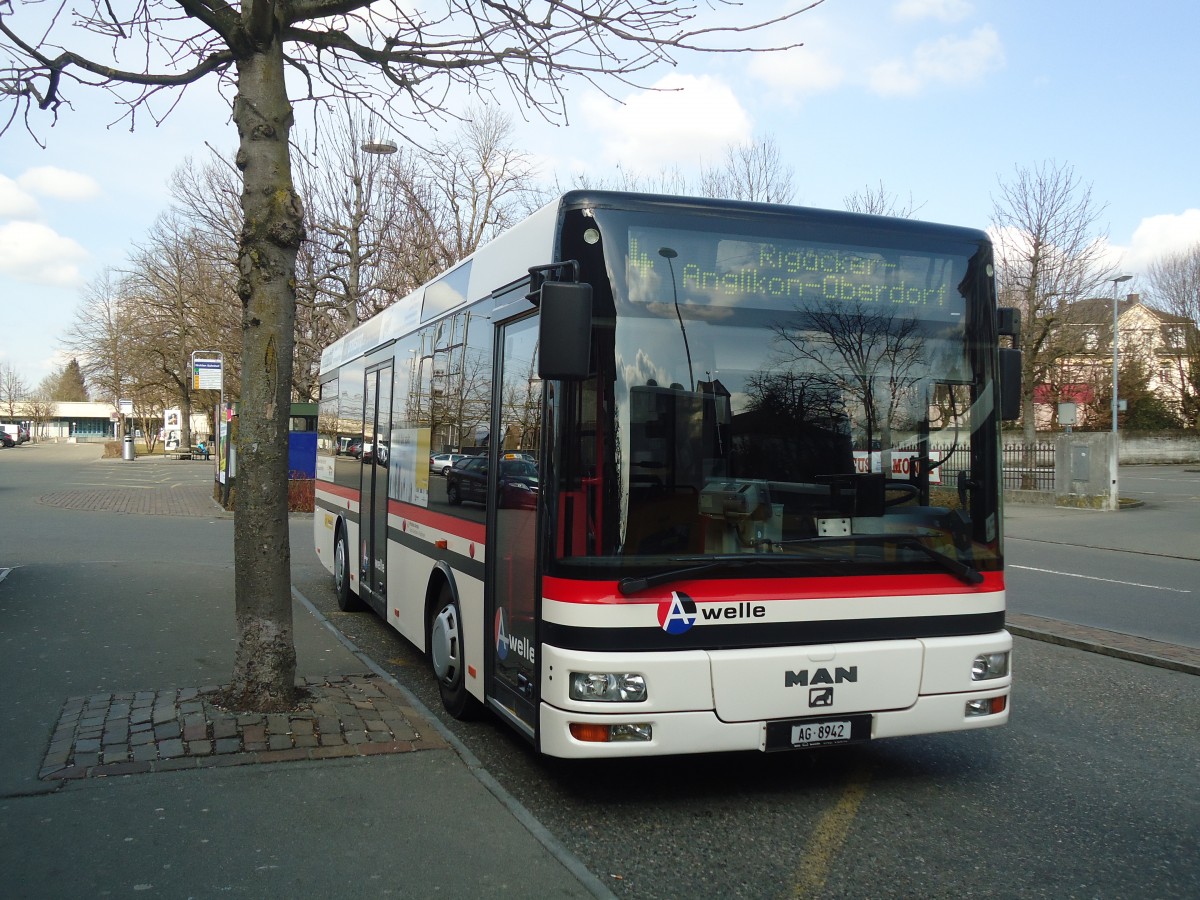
512 580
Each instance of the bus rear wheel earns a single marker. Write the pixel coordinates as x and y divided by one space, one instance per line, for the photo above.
446 653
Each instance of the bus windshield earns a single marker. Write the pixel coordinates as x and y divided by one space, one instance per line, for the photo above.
785 396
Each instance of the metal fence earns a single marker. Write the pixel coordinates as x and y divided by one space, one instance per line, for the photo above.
1027 467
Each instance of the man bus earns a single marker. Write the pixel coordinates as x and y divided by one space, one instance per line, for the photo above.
731 477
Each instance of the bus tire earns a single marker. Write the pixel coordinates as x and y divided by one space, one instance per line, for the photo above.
347 600
446 654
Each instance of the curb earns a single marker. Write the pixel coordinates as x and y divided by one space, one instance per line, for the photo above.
1106 643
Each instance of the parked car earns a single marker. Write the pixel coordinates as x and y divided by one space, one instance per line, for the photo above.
517 488
19 433
7 440
441 463
354 447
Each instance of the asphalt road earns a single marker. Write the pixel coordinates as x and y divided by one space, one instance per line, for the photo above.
1090 792
1136 571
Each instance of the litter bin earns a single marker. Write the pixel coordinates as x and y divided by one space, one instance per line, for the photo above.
127 450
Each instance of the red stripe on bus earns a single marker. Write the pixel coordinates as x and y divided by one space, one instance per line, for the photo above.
338 490
565 590
463 528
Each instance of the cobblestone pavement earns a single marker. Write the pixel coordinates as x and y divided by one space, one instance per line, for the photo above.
192 500
161 731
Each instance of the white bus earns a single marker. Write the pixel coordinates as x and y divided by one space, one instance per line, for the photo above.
699 506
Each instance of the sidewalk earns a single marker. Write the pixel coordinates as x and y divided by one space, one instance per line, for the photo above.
148 786
1098 529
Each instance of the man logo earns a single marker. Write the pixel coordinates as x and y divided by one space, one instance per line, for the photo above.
678 614
820 697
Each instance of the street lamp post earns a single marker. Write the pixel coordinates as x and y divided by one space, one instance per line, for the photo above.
1117 280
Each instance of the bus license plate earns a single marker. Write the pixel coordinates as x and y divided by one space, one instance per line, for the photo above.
817 732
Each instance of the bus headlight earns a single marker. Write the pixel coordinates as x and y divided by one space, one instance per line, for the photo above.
608 687
989 665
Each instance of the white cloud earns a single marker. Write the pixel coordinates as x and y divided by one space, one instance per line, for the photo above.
1169 233
1155 238
62 184
14 202
941 10
947 60
685 118
801 71
34 253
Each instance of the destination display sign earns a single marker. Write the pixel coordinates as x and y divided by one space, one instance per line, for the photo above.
733 270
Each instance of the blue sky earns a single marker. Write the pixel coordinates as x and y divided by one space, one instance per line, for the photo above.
939 99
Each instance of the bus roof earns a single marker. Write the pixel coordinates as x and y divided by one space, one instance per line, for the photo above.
507 258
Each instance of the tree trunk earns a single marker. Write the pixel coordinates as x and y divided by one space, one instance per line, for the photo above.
265 664
1029 428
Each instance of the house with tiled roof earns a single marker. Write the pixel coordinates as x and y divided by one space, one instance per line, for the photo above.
1159 342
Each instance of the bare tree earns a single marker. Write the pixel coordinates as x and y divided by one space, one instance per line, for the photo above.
667 180
1049 253
1175 288
39 406
98 336
458 195
175 290
350 210
13 390
752 171
206 197
881 202
402 60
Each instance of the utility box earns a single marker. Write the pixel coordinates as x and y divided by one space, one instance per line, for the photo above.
1085 470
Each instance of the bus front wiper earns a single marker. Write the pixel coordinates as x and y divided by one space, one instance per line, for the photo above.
635 583
956 568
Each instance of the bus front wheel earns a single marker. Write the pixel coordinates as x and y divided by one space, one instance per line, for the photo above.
446 653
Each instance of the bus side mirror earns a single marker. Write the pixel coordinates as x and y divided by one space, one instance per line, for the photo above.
565 331
1010 384
1008 323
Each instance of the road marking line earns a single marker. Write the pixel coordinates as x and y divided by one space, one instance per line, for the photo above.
829 834
1151 587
